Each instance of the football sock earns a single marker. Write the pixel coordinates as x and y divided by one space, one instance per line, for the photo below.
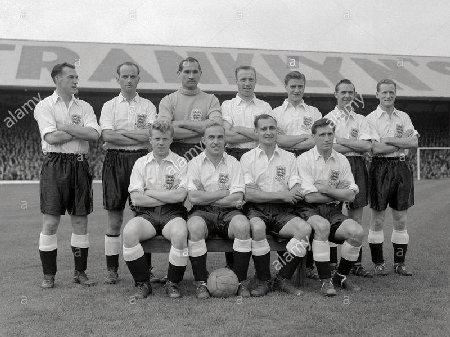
113 245
261 259
137 263
333 253
321 254
197 255
178 259
376 239
48 251
400 240
242 251
80 249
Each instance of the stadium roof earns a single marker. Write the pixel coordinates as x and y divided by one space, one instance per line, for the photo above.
28 64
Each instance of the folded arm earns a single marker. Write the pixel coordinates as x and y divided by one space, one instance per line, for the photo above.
139 199
206 198
116 138
81 132
167 196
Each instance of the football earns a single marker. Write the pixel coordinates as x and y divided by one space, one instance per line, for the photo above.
223 283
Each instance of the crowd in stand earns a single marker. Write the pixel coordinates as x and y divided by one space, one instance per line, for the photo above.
21 156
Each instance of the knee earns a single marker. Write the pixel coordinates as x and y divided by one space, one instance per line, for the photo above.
49 227
196 229
179 236
321 229
356 232
400 222
258 229
303 231
130 234
241 229
114 224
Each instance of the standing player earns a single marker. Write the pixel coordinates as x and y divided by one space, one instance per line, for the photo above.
353 139
125 122
216 189
189 108
157 189
239 114
391 177
66 125
272 187
295 119
327 182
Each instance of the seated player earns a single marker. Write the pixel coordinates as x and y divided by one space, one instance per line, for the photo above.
327 182
272 187
157 190
216 189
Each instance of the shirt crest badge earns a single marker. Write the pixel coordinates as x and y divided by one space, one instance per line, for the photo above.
77 119
307 122
354 133
196 115
333 178
224 179
398 131
280 174
141 121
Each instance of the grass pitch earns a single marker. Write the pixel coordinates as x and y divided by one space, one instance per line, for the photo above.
388 306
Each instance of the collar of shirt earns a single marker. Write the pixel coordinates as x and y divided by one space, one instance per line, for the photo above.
239 100
189 92
55 98
317 155
170 157
380 112
135 99
204 158
259 151
287 104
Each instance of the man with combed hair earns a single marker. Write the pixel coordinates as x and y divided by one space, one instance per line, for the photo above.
327 182
391 177
190 109
272 187
216 190
157 188
125 122
66 125
353 139
295 117
239 114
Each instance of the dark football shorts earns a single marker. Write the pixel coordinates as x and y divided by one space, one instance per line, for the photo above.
65 184
159 216
331 212
217 218
116 174
236 152
275 216
187 151
391 183
361 175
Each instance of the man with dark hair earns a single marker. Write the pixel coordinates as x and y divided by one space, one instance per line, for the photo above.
125 122
216 190
66 125
272 187
391 177
353 139
239 113
295 117
157 189
327 182
190 109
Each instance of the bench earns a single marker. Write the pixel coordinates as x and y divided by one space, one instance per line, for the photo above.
159 244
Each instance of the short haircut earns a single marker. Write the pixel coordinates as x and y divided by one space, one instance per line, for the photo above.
211 124
132 64
344 81
244 68
263 116
188 60
386 81
320 123
57 69
162 126
294 75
